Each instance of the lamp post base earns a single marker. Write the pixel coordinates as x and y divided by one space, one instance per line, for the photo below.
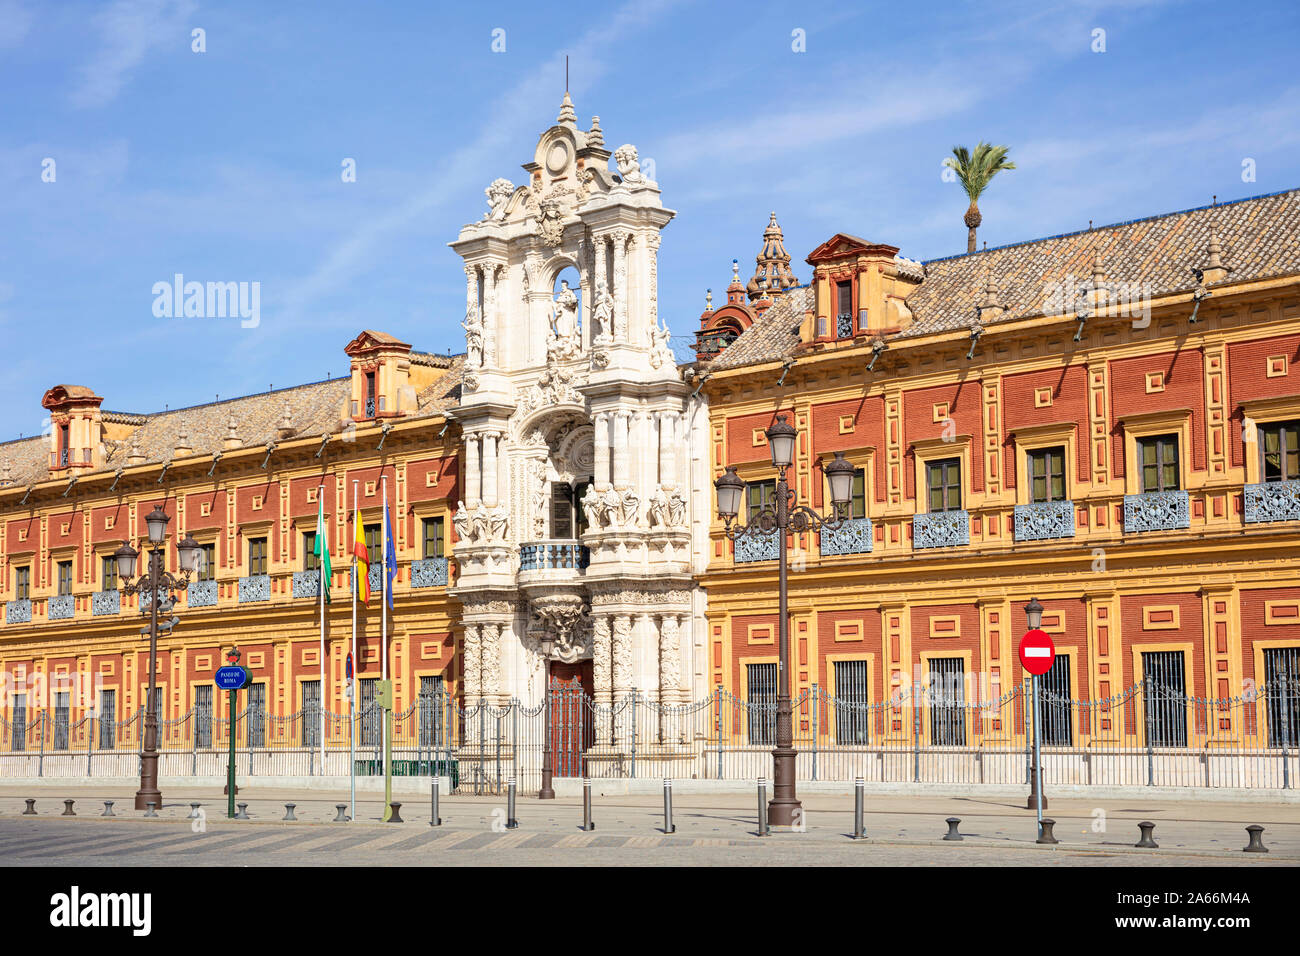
784 811
145 797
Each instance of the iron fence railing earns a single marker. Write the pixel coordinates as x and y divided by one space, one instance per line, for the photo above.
927 734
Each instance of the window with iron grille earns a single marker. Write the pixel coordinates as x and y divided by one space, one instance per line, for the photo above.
761 695
310 559
943 479
65 577
432 546
948 702
108 719
22 583
207 563
63 446
1046 475
309 735
1054 704
851 700
1279 448
202 715
61 720
370 395
257 715
431 707
1165 698
1159 463
843 310
19 721
1282 687
370 712
256 556
107 573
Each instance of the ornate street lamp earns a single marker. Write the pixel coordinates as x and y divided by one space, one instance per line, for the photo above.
155 581
781 517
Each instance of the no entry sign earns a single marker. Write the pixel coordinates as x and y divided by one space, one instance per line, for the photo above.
1037 652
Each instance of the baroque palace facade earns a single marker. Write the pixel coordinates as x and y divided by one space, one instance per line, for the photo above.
1106 420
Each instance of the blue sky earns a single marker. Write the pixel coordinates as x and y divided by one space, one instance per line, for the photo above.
225 165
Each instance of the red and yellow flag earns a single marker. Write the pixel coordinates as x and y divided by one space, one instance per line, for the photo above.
362 561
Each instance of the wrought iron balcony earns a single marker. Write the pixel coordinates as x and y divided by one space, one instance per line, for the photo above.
202 594
1273 501
61 607
306 584
18 612
940 529
853 536
756 547
376 578
1045 519
429 573
106 602
553 555
1156 511
255 587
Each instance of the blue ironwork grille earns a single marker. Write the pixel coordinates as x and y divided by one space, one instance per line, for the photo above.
1156 511
1039 522
853 536
429 572
1272 501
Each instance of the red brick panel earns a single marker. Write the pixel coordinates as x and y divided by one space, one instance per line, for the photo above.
1069 406
299 506
740 436
1248 378
867 431
918 425
868 643
1254 625
1184 378
120 517
1189 634
12 533
965 634
445 486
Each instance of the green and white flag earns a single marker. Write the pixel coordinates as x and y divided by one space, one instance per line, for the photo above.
323 551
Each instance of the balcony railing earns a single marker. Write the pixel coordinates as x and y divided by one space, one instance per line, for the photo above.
940 529
429 573
853 536
375 577
1272 501
306 584
255 587
18 612
756 547
105 602
1156 511
202 594
551 555
61 607
1045 519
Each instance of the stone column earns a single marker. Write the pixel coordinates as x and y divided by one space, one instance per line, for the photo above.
620 286
601 453
652 241
622 660
667 449
601 660
471 288
621 449
601 244
490 315
473 689
670 676
471 470
490 446
490 662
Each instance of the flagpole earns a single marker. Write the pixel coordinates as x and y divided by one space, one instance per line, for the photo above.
320 568
383 604
352 709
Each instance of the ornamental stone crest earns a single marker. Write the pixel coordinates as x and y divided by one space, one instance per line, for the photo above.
550 215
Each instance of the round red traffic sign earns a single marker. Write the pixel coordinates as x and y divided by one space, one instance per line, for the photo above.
1037 652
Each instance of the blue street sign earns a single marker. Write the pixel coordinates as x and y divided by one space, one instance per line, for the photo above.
231 678
349 671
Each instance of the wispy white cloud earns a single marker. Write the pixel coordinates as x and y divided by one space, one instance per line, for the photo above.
15 22
128 30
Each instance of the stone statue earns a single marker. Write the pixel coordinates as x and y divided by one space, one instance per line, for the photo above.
602 315
498 194
473 327
564 324
628 166
661 352
460 521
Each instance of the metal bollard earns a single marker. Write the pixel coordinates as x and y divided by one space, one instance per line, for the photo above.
859 805
288 811
586 805
1046 835
194 811
243 811
434 819
108 809
153 809
762 806
1256 844
511 822
31 809
668 806
67 809
397 813
342 816
952 833
1146 826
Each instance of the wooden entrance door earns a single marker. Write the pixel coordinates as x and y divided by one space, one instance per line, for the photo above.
571 719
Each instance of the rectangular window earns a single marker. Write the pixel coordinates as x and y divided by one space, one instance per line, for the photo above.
761 694
61 720
432 546
843 310
851 702
761 494
65 577
310 720
432 705
63 446
561 510
1165 698
207 563
107 719
370 713
374 544
944 481
1046 475
256 556
948 702
1159 463
22 583
1054 704
1279 445
257 715
370 395
107 573
19 721
1282 690
203 715
310 560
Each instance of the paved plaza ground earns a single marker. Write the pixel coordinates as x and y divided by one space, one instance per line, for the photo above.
711 829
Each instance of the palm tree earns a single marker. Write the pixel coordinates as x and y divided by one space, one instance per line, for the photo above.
974 170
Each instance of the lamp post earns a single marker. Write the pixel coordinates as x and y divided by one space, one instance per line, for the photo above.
155 579
1034 618
783 517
